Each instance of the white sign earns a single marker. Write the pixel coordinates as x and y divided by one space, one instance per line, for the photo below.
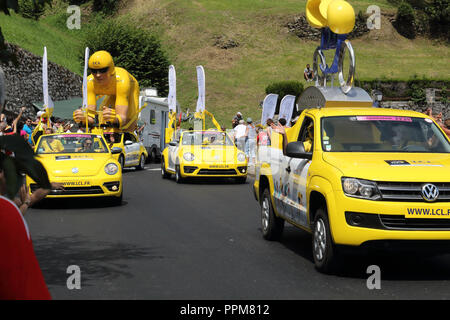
172 89
269 106
86 59
286 108
48 103
201 89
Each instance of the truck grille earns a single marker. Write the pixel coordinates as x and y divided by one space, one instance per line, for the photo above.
400 222
405 191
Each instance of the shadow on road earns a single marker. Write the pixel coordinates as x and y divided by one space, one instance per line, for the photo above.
394 265
77 203
98 261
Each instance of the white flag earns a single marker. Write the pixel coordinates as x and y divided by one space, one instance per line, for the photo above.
269 106
48 103
201 89
172 98
86 59
286 108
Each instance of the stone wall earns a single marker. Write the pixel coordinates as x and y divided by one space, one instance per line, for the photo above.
24 81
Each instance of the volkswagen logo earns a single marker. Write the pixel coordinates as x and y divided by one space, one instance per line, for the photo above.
430 192
75 170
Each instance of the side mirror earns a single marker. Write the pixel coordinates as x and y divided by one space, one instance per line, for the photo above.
297 150
116 150
128 142
173 143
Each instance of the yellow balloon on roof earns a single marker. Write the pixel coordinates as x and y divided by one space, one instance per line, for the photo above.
338 15
341 17
313 15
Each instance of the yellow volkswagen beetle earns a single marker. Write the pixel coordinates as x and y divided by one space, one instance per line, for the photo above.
198 153
133 152
82 163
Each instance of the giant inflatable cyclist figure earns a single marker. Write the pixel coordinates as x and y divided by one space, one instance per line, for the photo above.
121 105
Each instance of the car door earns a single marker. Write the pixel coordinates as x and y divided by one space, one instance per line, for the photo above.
291 182
130 154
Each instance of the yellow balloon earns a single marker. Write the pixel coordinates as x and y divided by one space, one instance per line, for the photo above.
341 17
323 8
313 16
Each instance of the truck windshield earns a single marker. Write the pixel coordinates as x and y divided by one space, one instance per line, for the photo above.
382 134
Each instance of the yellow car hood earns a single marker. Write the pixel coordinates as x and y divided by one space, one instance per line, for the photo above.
211 153
74 165
407 167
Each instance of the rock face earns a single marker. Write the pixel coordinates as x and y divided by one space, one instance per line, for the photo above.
24 81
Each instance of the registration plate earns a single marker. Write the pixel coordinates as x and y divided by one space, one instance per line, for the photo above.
217 166
76 183
430 213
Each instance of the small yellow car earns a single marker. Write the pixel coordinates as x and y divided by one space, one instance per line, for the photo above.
83 163
133 152
198 153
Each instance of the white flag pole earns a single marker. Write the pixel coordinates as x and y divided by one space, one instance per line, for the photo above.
86 59
48 103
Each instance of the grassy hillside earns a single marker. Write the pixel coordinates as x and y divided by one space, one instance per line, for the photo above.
237 77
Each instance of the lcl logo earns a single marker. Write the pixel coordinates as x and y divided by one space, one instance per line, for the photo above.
430 192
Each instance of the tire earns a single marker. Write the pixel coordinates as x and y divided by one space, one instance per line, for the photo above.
121 161
178 177
164 173
325 254
153 156
272 226
141 164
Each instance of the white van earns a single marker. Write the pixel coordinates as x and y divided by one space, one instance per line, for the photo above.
155 115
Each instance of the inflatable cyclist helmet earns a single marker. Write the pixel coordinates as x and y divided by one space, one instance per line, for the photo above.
341 17
102 60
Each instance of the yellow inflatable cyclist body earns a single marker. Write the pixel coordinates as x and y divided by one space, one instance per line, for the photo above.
121 104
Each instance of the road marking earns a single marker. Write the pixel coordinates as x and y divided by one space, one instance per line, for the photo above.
153 169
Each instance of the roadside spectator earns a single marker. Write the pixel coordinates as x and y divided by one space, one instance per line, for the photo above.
28 128
236 119
262 138
438 119
282 122
250 144
239 135
308 74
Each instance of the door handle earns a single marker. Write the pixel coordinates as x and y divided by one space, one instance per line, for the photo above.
288 169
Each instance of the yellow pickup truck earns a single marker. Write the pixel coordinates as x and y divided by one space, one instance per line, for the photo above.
355 176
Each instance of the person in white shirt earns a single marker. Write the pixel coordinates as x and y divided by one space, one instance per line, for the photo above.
239 135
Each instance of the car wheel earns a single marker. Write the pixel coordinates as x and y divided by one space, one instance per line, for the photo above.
178 177
141 165
121 161
153 156
326 257
164 173
272 226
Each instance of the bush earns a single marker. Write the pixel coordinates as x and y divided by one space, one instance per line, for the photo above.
438 12
30 9
405 21
107 7
136 50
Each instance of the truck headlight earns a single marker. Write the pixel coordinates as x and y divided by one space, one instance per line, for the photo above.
241 157
111 168
358 188
188 156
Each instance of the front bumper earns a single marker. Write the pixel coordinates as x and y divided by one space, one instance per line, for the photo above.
211 170
357 221
83 187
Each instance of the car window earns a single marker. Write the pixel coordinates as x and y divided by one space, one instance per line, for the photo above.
206 138
306 134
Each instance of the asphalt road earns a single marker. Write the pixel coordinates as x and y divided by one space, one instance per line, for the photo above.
202 241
